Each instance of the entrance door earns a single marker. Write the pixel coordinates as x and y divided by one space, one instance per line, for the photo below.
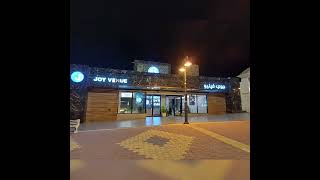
153 103
174 105
177 106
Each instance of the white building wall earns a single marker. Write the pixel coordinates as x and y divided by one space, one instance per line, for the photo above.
245 94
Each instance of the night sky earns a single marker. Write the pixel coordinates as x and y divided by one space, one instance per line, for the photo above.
215 34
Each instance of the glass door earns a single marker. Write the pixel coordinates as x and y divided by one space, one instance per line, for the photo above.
156 106
153 105
174 105
178 106
149 105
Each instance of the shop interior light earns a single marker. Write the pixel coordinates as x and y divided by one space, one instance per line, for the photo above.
126 95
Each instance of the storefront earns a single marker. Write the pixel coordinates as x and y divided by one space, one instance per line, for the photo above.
102 94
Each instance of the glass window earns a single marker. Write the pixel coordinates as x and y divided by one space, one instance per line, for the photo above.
182 104
192 103
125 102
138 102
202 103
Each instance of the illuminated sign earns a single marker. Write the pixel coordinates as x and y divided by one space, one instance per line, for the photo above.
126 94
153 69
139 97
77 76
214 86
110 80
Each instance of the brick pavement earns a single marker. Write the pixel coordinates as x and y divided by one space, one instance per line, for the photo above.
196 145
168 142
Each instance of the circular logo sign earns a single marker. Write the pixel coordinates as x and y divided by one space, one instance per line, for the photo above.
153 69
139 97
77 76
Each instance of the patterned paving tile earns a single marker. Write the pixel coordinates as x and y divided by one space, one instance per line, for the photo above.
175 149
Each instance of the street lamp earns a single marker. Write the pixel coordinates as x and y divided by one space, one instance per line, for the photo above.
184 69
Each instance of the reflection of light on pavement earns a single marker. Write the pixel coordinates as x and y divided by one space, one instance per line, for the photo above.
153 121
148 121
125 124
156 121
73 145
189 170
76 164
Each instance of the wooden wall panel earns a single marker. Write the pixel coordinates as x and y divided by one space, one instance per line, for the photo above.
102 106
216 104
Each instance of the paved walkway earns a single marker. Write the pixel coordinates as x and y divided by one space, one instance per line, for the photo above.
204 151
156 121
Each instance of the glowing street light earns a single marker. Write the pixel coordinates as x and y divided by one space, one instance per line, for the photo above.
187 64
184 69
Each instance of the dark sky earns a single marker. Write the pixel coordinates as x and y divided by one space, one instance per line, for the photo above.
215 33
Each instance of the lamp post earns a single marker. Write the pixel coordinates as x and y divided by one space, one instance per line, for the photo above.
184 69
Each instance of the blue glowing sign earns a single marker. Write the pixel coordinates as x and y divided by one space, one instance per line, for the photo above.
110 80
138 100
77 76
153 69
139 97
214 86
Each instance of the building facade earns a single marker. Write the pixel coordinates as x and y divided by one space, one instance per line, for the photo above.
245 89
103 94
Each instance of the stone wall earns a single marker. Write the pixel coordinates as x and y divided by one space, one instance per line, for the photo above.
78 93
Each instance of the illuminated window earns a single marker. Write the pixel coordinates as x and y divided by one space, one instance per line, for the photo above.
153 69
196 103
125 102
202 104
132 102
192 103
138 105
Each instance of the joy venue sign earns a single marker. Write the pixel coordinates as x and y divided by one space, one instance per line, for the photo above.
110 80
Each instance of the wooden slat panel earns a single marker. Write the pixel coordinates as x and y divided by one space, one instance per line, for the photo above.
104 109
216 104
103 99
101 114
102 106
